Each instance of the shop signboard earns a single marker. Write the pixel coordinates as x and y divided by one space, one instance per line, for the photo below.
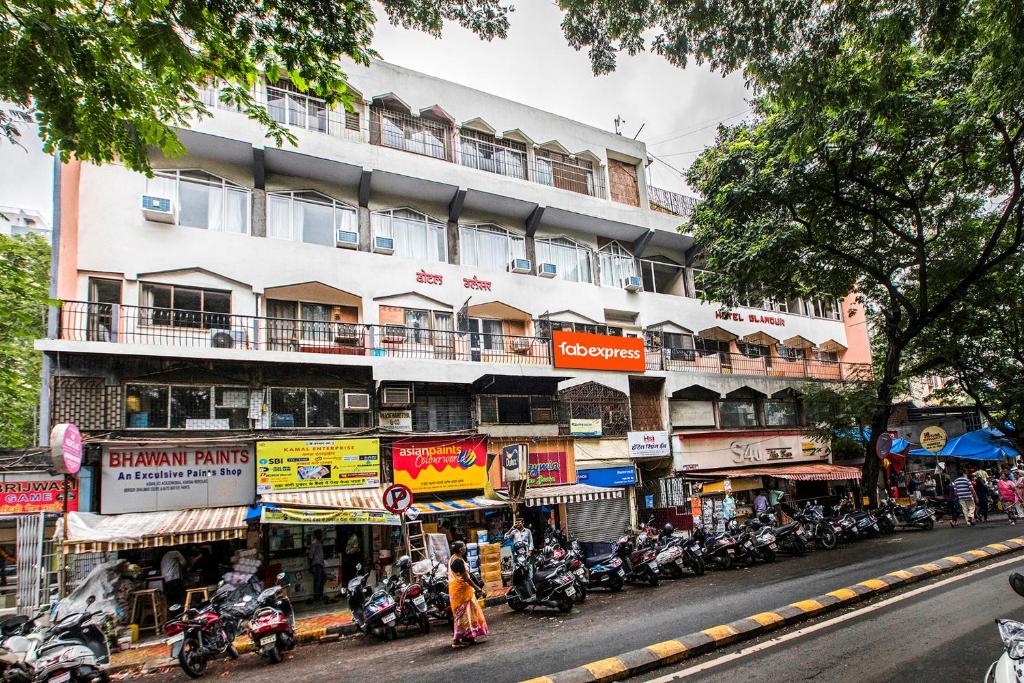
318 465
176 477
583 427
513 461
608 476
399 420
598 352
933 439
276 515
546 465
66 448
440 464
743 449
649 444
37 495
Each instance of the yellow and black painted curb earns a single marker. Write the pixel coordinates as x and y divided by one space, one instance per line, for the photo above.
695 644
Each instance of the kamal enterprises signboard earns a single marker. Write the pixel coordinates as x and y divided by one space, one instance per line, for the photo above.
318 464
649 444
176 477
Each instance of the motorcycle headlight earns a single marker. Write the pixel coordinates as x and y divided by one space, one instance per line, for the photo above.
1012 634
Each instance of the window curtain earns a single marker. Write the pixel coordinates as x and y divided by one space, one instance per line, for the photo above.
573 263
615 268
278 218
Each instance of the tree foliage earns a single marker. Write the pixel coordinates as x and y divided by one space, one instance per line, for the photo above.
24 278
109 78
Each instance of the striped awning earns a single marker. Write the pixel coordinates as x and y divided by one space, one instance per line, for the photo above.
92 533
459 505
571 493
351 499
810 472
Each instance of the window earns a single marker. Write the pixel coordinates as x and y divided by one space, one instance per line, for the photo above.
781 413
754 350
103 294
286 104
825 307
352 120
710 346
489 247
204 200
616 264
186 407
177 306
544 327
487 334
316 321
485 152
572 259
298 407
565 172
826 356
308 217
790 353
418 323
416 235
416 134
516 410
738 413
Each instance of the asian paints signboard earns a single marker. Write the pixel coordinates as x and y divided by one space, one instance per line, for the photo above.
444 464
176 477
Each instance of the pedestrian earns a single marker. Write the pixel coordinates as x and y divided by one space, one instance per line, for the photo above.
728 508
352 556
761 503
1008 494
966 496
316 565
467 617
520 534
913 487
982 490
172 568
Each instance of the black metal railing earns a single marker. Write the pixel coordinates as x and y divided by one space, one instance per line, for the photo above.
673 202
718 363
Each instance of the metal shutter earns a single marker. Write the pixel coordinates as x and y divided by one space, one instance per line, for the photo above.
599 521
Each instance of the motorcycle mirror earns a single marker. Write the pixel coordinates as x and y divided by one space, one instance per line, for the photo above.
247 598
281 576
359 567
176 607
91 599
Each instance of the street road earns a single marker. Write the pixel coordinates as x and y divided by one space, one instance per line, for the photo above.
527 645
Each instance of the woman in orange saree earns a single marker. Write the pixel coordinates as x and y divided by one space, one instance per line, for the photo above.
467 616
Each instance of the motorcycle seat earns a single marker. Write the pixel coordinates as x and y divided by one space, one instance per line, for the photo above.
12 623
786 528
545 575
600 559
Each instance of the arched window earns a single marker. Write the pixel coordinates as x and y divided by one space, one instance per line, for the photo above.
204 200
489 247
416 235
572 259
617 263
308 217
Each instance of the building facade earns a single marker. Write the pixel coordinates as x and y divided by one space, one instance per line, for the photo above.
19 221
437 263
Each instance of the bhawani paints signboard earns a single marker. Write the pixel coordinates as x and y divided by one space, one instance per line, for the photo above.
43 495
598 352
176 477
321 465
440 464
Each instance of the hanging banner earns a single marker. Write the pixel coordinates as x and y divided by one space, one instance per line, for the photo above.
44 495
584 427
322 465
272 515
176 477
440 464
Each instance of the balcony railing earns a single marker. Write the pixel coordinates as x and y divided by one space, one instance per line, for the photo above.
673 202
310 113
143 325
493 158
567 175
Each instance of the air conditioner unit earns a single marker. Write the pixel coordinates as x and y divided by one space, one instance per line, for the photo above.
547 270
227 339
159 209
347 239
396 396
384 245
521 265
357 402
632 284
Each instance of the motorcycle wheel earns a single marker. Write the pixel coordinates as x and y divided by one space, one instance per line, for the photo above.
673 571
697 566
615 586
391 634
724 562
928 524
275 655
565 604
191 660
581 594
768 555
886 526
424 624
799 547
827 538
653 580
515 603
232 651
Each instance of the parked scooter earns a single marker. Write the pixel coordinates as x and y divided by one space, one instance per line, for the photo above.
791 537
73 649
605 571
411 601
917 515
533 586
575 562
1006 668
433 577
205 633
719 550
272 625
372 611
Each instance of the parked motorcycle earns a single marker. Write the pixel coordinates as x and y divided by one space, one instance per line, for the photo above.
719 550
207 632
822 530
639 560
1009 668
791 537
575 562
605 571
433 578
917 515
533 586
374 612
272 625
411 609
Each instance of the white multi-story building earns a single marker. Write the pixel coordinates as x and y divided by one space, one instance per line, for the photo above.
18 221
405 266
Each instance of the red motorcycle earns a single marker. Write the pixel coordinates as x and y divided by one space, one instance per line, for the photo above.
272 625
200 635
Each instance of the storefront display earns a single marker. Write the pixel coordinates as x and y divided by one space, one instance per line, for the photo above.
321 464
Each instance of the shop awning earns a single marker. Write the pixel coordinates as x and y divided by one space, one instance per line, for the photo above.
458 505
717 334
571 493
810 472
760 338
351 499
92 533
717 488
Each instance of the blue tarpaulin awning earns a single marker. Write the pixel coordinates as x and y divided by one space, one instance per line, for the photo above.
981 444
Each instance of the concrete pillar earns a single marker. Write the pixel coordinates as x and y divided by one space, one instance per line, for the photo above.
453 242
531 253
259 212
365 229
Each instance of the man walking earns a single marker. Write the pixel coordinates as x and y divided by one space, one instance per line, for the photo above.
966 496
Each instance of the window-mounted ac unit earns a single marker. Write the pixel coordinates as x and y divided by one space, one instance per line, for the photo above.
521 265
347 239
159 209
547 270
384 245
632 284
396 396
227 339
359 402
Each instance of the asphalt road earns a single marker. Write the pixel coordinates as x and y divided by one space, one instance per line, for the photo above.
940 630
533 644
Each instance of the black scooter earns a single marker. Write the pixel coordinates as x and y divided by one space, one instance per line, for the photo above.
533 586
374 612
917 516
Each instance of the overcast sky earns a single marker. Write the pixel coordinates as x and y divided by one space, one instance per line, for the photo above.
681 108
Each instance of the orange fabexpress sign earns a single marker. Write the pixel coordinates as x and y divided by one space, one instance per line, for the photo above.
598 352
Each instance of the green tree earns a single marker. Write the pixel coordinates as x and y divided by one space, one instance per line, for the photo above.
24 278
108 79
884 154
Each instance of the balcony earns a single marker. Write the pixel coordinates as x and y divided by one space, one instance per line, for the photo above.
691 360
667 201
